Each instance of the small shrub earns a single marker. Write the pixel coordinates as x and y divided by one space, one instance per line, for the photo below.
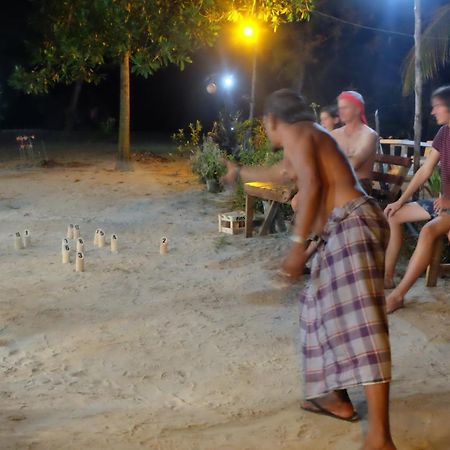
208 161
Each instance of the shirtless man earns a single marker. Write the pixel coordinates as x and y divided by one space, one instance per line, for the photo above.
436 212
343 321
358 141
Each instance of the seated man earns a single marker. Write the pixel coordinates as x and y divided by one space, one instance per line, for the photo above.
358 141
438 211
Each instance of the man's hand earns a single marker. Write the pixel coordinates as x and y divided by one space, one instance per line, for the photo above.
230 178
440 204
392 208
294 263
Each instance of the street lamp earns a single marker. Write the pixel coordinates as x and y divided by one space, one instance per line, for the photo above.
228 82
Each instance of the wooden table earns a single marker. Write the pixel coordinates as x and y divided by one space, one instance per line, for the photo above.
274 194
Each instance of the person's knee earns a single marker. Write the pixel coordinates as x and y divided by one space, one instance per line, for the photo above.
429 233
394 223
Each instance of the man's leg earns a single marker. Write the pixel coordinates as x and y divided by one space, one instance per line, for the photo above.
379 431
411 212
419 260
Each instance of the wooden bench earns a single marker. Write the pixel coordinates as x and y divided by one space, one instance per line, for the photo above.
388 177
274 194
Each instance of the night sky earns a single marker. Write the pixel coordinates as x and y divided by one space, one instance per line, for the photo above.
346 57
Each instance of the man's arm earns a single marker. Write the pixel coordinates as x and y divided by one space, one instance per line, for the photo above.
304 164
417 181
278 173
421 176
365 152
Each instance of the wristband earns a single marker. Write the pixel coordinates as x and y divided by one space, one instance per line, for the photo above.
297 239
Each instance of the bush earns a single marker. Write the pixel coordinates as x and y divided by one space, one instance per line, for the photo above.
208 161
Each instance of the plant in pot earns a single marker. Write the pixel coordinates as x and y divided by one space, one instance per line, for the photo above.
208 164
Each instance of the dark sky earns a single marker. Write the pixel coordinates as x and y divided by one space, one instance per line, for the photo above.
349 58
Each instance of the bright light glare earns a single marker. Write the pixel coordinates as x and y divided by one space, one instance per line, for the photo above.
228 81
248 31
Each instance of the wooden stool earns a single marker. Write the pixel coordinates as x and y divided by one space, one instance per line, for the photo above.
436 268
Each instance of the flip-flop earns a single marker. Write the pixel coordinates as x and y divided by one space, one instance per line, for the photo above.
324 412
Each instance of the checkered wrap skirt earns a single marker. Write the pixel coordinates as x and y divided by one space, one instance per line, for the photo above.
343 321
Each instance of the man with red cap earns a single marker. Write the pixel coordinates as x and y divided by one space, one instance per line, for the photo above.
356 139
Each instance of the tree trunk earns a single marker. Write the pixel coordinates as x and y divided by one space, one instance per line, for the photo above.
418 84
123 155
71 113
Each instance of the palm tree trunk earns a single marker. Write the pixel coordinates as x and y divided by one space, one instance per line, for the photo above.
123 156
418 84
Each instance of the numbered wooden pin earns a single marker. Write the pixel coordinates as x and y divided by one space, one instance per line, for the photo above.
164 246
70 231
76 231
101 240
114 243
64 242
66 255
18 243
26 238
80 245
79 262
96 237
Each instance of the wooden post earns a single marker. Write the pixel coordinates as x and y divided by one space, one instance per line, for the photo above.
433 270
253 89
249 206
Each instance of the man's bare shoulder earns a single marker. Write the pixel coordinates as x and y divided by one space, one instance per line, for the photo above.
369 132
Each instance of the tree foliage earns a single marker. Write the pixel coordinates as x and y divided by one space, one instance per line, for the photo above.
435 50
80 36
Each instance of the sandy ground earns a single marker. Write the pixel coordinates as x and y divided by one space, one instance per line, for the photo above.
197 350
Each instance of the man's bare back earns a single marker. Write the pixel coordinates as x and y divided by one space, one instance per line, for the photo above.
337 179
360 146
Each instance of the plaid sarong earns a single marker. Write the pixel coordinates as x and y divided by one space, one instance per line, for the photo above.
343 321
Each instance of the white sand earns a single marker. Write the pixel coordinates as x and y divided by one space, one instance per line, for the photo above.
197 350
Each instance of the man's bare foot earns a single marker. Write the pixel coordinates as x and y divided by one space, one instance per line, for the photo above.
394 301
389 283
336 402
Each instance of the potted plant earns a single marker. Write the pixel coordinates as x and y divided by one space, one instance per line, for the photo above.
208 164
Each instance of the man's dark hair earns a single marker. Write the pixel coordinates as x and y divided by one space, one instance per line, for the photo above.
332 110
288 106
443 93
